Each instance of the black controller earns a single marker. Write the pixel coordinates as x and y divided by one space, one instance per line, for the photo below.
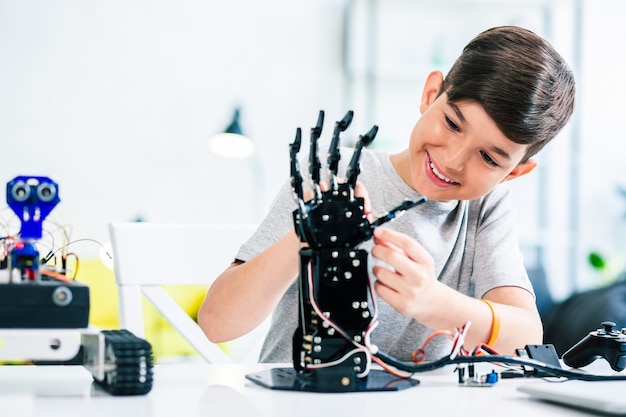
606 343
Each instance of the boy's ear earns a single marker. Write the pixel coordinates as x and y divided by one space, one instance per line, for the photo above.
433 84
521 170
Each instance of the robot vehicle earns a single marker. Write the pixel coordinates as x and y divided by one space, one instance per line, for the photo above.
44 312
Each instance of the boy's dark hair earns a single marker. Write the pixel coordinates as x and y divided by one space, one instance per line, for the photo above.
520 80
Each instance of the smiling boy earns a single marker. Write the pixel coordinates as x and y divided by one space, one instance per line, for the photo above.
456 258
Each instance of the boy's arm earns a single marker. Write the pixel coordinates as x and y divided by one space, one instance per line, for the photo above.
518 311
520 324
411 288
245 294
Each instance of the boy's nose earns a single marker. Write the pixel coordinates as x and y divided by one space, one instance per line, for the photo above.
455 156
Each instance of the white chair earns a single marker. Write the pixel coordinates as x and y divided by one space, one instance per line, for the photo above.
149 255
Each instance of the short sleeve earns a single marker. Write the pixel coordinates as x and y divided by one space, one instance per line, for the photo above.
498 260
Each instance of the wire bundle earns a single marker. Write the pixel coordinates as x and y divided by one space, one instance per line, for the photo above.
482 353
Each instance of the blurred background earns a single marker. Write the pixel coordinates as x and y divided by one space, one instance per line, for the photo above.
116 101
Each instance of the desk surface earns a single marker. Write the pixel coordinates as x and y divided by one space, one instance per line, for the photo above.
199 389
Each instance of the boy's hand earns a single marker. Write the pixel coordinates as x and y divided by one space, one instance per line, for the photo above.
408 281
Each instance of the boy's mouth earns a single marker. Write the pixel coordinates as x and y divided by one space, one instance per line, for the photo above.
436 173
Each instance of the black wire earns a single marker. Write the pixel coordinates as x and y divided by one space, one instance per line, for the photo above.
546 369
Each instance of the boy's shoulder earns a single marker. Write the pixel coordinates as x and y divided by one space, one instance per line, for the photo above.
496 202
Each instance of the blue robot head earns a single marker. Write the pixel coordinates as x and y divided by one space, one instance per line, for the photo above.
32 199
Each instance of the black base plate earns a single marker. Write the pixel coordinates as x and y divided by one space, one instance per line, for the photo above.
291 380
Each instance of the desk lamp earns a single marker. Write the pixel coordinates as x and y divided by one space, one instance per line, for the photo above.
232 143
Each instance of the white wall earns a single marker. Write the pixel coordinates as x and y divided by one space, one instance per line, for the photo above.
115 100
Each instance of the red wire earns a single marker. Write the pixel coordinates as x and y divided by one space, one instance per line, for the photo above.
389 369
55 275
419 355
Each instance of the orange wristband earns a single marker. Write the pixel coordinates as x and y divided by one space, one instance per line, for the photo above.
495 323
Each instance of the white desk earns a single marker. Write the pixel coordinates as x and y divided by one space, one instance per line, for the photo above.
200 389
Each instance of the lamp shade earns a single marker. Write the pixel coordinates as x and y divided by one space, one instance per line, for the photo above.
232 143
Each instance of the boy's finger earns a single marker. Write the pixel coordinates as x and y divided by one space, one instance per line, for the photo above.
412 248
361 191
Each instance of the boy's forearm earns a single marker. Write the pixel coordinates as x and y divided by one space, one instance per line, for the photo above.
520 323
244 295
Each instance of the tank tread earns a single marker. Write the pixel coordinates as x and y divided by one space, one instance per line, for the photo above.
132 361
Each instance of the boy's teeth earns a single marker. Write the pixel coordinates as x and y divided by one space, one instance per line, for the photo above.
438 174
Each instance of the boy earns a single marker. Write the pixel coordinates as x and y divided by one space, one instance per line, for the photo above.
453 259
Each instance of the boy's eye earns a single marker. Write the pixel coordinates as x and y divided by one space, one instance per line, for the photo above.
488 159
451 124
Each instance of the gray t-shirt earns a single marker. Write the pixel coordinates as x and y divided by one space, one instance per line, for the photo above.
474 245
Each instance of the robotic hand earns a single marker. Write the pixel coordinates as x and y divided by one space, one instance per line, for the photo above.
335 218
331 343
